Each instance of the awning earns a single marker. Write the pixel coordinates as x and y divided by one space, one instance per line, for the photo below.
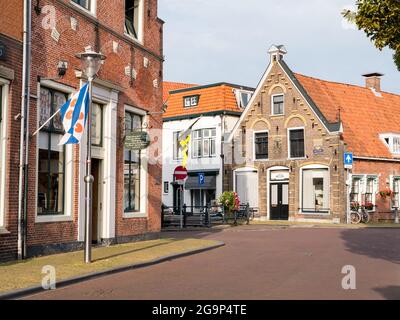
192 182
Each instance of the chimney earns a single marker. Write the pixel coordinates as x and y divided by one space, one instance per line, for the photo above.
373 80
277 52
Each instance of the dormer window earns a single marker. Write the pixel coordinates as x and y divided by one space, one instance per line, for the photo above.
277 104
243 98
392 141
191 101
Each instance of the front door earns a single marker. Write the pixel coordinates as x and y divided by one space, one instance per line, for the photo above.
279 201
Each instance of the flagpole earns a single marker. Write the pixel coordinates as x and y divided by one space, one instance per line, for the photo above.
88 182
47 121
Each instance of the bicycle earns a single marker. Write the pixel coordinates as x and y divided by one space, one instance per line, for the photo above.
360 215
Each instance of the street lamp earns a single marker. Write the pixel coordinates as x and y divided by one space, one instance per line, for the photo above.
91 63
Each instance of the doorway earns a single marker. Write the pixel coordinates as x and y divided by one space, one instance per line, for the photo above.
279 201
96 200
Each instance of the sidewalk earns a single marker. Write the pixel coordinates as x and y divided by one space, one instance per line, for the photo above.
297 224
70 267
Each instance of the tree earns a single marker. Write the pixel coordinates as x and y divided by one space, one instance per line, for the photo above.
380 20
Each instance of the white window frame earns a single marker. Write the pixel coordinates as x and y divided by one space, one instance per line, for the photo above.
175 143
254 145
394 178
201 142
92 7
390 145
363 178
68 158
4 86
316 167
272 104
288 142
143 212
139 39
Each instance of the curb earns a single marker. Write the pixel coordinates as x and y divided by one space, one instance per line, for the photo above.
63 283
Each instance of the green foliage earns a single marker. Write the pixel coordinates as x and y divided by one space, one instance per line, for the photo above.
230 200
380 20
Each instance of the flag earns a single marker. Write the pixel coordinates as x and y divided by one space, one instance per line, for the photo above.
73 116
184 142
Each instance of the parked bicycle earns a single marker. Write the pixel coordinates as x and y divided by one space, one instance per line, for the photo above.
360 215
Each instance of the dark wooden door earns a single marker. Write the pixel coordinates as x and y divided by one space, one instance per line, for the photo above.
279 201
95 200
177 198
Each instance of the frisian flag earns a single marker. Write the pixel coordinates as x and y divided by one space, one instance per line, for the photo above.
73 116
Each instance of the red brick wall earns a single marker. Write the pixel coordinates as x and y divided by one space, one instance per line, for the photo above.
11 17
100 34
8 242
384 169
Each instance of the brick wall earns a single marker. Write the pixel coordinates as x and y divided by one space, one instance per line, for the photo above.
8 240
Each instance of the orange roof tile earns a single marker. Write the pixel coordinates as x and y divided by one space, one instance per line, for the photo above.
213 97
364 115
170 86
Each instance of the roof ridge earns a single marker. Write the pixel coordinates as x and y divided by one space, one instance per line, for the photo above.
343 83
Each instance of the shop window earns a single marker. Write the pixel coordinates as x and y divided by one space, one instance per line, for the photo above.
296 143
315 190
261 145
132 167
51 160
277 104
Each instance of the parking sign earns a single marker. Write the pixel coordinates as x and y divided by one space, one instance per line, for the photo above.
202 179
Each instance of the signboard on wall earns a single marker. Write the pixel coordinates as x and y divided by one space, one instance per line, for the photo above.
279 175
137 140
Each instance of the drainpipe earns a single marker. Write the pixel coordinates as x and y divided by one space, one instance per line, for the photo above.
24 140
222 150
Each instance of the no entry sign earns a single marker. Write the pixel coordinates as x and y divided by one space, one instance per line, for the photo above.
180 173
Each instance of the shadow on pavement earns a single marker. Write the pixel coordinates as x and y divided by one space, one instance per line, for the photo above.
192 232
375 243
389 292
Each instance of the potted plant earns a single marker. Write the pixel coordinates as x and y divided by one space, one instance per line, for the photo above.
385 193
354 205
369 205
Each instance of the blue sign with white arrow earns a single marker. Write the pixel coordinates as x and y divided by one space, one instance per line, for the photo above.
202 178
348 159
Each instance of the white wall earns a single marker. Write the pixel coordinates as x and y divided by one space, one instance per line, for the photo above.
169 164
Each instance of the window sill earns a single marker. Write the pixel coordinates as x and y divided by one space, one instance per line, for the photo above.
315 213
130 215
301 158
53 218
265 159
277 115
4 231
132 38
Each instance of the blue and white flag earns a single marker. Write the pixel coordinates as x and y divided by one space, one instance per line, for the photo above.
73 116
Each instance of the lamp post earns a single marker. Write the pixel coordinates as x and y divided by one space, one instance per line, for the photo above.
91 63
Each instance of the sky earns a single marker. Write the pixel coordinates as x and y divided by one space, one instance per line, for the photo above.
208 41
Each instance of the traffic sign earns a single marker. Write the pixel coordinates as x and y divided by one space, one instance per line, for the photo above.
348 160
202 178
180 173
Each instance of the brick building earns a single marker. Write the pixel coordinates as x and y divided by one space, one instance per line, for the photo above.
127 96
290 142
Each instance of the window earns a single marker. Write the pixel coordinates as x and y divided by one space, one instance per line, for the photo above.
97 125
369 200
296 143
191 101
243 98
132 18
315 190
355 194
177 150
166 187
83 3
3 152
51 161
396 192
392 141
261 145
277 104
203 143
132 166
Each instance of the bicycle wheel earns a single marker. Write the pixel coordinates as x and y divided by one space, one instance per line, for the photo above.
365 217
355 217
